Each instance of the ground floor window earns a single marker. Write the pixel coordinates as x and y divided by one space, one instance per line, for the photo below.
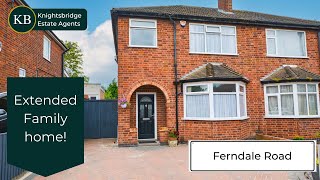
292 100
214 100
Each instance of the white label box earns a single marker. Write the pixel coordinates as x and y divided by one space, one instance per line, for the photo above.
252 155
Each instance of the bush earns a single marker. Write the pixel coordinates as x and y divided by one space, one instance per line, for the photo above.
298 138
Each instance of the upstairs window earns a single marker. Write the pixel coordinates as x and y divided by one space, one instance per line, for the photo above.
143 33
46 48
22 72
213 39
284 43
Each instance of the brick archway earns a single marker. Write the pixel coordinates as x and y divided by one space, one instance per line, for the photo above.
143 83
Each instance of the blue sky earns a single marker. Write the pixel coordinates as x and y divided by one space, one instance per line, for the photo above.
99 21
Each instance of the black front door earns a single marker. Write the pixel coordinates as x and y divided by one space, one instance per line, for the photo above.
146 116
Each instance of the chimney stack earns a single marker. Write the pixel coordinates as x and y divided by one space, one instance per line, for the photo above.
225 5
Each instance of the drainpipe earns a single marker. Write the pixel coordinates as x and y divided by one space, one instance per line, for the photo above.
319 41
62 62
175 69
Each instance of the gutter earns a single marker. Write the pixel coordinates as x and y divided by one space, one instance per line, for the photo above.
62 62
175 70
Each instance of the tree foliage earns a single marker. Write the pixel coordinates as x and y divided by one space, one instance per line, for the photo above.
112 90
73 61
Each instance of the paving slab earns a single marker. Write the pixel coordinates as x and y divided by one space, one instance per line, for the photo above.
104 160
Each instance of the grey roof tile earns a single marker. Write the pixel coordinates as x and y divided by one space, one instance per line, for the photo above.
213 71
290 73
214 13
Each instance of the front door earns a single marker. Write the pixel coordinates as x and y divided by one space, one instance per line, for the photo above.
146 116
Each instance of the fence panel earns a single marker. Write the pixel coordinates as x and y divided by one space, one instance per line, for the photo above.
7 171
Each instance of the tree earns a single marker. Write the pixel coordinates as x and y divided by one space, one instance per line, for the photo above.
73 61
112 90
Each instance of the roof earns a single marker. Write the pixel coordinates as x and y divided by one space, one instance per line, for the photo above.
290 73
214 15
205 13
213 71
51 33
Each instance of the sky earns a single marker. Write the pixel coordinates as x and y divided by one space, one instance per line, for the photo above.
97 41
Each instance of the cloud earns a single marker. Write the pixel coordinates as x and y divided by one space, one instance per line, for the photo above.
98 52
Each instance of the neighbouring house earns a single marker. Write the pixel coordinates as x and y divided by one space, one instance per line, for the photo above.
35 54
93 91
215 73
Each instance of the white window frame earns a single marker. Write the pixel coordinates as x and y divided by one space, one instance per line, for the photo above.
211 93
143 27
47 39
275 38
96 96
24 71
295 100
205 38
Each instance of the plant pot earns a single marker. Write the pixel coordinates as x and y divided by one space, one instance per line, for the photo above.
123 106
173 143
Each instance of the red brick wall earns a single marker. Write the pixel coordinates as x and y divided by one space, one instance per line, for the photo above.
138 65
25 51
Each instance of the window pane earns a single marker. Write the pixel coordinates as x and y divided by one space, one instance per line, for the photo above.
302 88
224 88
291 43
272 89
302 103
271 44
229 44
287 104
197 43
213 43
213 29
225 105
202 88
242 105
197 106
241 88
271 33
312 88
286 89
137 23
143 37
228 30
46 48
273 105
313 107
196 28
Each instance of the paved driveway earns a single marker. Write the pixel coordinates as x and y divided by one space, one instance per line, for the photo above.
105 161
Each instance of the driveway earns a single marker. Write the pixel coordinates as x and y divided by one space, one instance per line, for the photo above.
104 160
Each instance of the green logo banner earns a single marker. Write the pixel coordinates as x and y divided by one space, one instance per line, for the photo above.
23 19
45 124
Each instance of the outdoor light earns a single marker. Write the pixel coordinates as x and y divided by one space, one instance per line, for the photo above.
0 46
183 23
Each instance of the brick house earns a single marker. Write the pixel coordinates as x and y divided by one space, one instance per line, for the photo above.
215 73
35 54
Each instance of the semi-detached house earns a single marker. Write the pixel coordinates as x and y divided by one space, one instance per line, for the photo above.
215 73
34 54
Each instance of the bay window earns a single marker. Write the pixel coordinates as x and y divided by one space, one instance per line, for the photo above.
143 33
215 101
292 100
213 39
285 43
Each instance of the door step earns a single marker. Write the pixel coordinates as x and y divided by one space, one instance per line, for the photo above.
149 143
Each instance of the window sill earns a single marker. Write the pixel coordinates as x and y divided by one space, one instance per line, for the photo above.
291 117
295 57
215 119
47 59
204 53
152 47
